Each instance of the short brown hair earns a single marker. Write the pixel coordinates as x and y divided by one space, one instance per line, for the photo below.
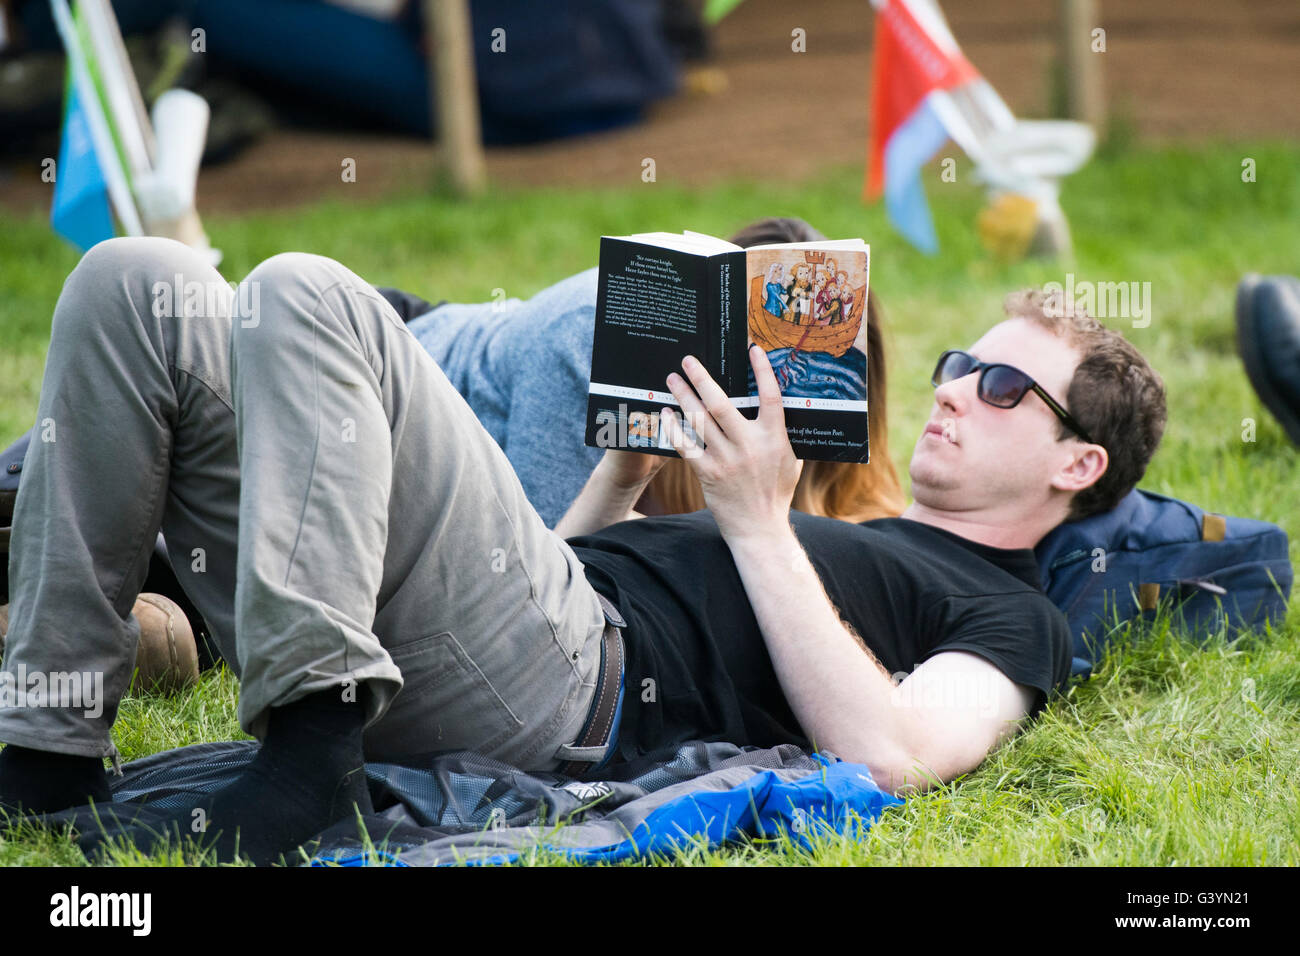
1115 395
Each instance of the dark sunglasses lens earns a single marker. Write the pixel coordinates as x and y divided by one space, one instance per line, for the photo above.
952 366
1003 386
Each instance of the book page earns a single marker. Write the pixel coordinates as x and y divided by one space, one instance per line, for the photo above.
828 244
694 242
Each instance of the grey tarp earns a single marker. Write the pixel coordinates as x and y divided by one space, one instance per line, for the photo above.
463 806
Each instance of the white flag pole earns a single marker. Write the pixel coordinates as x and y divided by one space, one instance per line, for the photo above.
105 151
122 97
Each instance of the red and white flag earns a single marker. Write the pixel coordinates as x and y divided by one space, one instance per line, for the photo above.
916 60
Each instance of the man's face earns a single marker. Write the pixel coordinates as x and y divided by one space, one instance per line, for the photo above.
972 456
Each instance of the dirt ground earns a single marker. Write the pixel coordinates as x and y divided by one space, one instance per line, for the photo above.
1173 69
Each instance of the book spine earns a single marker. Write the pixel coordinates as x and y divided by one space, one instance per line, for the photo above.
734 333
728 319
709 315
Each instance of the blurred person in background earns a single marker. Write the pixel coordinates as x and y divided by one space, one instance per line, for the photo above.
544 70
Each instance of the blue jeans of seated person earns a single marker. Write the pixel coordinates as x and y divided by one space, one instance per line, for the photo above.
333 508
523 366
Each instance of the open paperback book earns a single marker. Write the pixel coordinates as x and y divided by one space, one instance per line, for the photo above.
662 296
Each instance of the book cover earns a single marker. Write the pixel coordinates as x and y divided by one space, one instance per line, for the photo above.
807 310
661 297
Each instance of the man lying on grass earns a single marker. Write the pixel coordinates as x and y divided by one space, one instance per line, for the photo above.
363 553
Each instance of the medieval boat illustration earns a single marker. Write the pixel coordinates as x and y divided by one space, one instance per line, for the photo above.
799 328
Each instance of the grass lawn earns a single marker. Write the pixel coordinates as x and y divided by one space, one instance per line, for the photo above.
1172 754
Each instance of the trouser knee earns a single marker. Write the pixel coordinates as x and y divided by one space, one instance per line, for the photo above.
162 279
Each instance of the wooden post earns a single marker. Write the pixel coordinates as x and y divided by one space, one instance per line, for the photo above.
453 90
1080 64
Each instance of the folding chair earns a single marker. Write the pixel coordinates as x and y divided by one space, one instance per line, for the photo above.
150 179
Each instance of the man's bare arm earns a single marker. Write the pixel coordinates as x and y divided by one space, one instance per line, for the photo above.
966 707
940 722
842 696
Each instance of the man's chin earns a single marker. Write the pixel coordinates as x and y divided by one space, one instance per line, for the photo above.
932 464
931 483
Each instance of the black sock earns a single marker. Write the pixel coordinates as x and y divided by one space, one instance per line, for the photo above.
308 775
39 781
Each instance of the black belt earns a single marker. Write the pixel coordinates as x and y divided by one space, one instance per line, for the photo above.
600 721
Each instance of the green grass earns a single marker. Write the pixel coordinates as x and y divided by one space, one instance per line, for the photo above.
1172 753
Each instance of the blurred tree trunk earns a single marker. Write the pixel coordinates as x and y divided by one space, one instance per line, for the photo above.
1081 59
454 93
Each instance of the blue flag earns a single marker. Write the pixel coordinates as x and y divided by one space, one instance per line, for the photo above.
80 212
910 147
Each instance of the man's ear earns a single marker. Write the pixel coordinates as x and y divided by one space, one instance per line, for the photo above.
1084 467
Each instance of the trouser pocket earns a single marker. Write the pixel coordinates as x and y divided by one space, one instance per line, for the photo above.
446 703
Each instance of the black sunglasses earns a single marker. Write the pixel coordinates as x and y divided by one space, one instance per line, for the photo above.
1002 386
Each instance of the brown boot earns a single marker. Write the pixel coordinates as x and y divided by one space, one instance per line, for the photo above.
166 659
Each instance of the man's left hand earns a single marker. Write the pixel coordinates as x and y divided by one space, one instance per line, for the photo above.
747 469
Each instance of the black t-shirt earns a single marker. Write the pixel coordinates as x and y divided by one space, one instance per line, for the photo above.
697 666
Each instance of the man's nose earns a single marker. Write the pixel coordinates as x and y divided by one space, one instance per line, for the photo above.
957 394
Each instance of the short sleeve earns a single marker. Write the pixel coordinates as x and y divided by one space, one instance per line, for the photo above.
1022 634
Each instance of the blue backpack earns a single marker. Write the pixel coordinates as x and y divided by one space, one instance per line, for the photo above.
1215 571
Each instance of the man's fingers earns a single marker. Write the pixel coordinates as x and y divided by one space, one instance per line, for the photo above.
769 392
696 414
715 399
683 443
